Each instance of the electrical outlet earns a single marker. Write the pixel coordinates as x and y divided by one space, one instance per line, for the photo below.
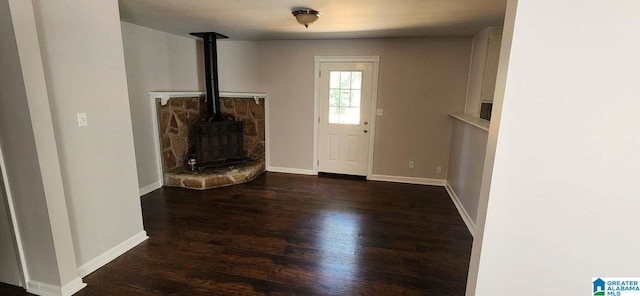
411 163
439 169
379 112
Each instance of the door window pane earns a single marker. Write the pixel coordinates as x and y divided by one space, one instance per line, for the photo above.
334 79
356 80
355 98
344 97
351 116
345 79
334 98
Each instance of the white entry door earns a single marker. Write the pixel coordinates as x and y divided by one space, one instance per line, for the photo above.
345 92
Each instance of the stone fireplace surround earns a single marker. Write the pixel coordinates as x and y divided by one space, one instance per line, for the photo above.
174 112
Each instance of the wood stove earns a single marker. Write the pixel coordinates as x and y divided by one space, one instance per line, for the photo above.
216 142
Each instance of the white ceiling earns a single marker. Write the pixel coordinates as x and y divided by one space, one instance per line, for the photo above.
272 19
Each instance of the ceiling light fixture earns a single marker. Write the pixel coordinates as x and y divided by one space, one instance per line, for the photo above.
306 16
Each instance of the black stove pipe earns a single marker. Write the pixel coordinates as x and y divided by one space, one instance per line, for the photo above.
211 74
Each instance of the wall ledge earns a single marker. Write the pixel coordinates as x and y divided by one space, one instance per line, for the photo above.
473 121
164 96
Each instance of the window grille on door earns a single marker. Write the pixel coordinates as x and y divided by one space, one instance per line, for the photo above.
345 90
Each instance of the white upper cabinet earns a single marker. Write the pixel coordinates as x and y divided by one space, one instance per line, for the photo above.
483 70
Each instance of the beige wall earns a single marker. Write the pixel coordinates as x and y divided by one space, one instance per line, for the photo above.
155 61
562 202
11 86
9 268
30 152
238 66
421 80
159 61
83 60
468 145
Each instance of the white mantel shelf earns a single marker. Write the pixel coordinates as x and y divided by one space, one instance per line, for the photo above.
474 121
164 96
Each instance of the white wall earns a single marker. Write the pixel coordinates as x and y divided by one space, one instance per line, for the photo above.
421 81
83 60
562 205
466 160
158 61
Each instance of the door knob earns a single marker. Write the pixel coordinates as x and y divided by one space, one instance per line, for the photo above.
366 123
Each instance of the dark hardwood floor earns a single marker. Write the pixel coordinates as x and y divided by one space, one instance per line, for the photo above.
294 235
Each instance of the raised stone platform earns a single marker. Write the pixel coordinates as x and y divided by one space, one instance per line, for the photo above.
214 177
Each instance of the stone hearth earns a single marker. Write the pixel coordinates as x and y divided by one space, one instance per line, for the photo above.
174 121
216 177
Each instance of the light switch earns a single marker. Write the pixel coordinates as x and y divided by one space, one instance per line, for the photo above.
82 119
379 112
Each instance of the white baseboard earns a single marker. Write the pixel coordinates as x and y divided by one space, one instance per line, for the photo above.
463 212
290 171
408 180
400 179
43 289
151 187
111 254
73 287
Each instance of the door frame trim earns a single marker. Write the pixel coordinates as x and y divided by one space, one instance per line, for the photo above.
375 61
